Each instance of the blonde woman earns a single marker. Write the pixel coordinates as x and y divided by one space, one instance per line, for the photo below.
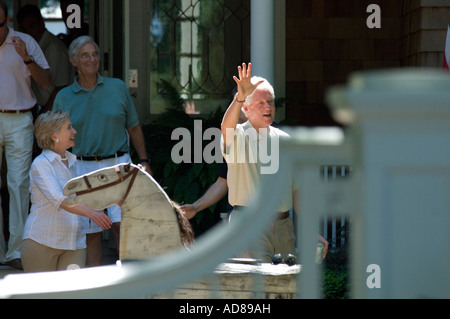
52 238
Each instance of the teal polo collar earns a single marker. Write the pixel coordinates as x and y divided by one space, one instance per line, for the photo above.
77 88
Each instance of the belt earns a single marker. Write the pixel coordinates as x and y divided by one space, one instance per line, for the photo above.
99 158
280 216
15 111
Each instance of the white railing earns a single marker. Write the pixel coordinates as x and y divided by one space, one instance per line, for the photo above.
398 124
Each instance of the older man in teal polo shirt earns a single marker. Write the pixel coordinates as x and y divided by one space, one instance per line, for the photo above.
101 117
103 113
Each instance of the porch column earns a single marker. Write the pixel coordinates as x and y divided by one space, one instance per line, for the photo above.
262 39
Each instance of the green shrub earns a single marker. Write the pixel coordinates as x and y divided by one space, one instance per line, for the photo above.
335 283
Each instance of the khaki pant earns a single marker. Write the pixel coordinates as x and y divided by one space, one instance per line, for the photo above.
279 238
38 258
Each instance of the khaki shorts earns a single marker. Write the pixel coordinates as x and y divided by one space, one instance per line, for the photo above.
114 212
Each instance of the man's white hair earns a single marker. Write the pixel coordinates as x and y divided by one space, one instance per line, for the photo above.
264 85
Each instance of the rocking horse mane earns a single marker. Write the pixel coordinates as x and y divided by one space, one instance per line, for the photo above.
186 231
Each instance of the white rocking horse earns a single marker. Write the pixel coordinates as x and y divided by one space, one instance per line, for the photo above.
151 223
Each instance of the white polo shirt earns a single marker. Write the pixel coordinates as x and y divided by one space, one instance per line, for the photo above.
246 165
15 77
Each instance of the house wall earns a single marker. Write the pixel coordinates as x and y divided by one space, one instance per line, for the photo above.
328 40
424 30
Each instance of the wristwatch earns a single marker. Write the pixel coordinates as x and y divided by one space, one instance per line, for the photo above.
31 60
145 160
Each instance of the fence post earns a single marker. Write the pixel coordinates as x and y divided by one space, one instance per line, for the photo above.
399 122
308 150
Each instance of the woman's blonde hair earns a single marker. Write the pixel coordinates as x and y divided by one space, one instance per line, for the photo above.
46 125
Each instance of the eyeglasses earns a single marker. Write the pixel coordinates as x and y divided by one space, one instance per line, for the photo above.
87 56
